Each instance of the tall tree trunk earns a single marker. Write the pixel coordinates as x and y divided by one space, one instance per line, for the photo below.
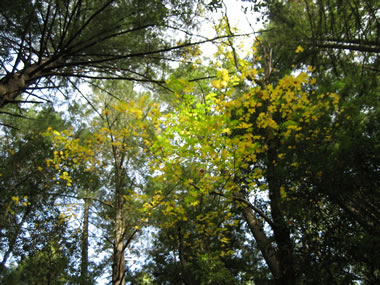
261 239
280 228
84 262
118 267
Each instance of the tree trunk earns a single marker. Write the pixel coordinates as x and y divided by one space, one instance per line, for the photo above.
118 267
84 262
13 84
262 240
187 278
280 228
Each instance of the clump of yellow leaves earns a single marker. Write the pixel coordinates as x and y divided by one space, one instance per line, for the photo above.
70 153
16 201
299 49
223 79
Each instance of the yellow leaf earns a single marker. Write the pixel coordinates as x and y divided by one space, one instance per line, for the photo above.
195 203
226 131
218 84
282 192
224 240
224 75
16 199
244 125
299 49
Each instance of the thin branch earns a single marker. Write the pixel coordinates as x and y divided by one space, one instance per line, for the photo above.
143 54
9 126
109 240
230 41
81 198
361 48
30 93
91 82
87 23
43 43
129 239
94 42
23 38
185 32
109 77
202 78
15 115
23 101
88 100
249 204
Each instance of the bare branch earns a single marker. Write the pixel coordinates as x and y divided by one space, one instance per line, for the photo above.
9 126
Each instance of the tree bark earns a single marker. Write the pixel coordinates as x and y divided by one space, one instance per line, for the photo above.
84 262
13 84
118 267
263 242
280 228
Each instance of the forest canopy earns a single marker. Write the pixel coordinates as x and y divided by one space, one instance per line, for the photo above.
130 154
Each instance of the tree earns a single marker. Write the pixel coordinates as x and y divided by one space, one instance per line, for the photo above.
54 43
258 165
49 265
32 223
197 235
340 25
255 135
119 146
341 40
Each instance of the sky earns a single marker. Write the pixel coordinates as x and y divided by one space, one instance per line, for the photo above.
245 23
